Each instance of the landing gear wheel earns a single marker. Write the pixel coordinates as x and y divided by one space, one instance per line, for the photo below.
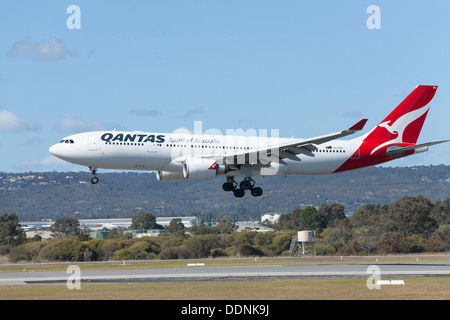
247 184
228 186
94 180
257 192
239 193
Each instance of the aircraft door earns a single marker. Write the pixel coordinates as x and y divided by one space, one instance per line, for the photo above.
151 147
92 144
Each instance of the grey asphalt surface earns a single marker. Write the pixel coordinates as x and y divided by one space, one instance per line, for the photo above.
241 273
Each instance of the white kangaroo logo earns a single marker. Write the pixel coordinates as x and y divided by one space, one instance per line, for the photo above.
399 126
387 126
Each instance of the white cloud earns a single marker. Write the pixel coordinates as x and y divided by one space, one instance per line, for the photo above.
9 122
47 50
72 124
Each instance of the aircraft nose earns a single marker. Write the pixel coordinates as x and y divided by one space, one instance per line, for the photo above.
55 150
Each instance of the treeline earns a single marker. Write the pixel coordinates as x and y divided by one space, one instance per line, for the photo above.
175 242
409 225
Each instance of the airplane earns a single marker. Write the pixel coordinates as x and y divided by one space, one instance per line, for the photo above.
182 156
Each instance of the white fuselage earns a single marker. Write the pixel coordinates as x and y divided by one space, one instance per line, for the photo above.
166 151
182 155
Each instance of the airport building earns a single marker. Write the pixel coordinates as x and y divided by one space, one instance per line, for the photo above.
98 224
99 228
95 226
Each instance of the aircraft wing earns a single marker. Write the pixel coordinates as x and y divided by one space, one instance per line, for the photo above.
288 149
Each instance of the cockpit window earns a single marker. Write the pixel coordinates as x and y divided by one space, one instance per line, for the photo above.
67 141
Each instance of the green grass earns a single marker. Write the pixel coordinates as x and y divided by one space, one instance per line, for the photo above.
340 289
321 289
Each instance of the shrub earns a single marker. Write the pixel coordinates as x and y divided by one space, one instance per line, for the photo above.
140 250
180 252
271 250
123 254
218 252
65 249
26 252
249 250
106 249
200 246
323 249
283 240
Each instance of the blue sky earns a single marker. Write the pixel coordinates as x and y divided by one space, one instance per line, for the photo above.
306 68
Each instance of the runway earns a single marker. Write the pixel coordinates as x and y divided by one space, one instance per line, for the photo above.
235 273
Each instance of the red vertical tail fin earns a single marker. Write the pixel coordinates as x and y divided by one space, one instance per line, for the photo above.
405 122
399 131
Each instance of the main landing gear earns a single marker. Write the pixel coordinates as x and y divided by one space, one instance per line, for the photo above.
247 184
94 179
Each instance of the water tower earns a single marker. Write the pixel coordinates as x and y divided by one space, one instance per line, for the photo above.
306 240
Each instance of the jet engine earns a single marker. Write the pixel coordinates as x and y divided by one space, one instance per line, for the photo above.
199 168
166 176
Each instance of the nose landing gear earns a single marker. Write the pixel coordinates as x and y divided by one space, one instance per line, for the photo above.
247 184
94 179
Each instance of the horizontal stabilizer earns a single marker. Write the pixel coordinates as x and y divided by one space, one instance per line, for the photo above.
394 150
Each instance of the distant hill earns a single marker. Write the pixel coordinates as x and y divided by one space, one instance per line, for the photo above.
53 195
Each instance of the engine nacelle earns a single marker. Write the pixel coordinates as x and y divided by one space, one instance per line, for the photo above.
167 176
199 168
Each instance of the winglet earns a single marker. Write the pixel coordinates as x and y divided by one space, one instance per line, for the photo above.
358 126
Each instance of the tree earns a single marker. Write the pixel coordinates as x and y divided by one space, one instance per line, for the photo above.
65 227
331 214
441 212
303 219
226 227
175 228
368 215
442 236
310 219
145 221
11 233
411 215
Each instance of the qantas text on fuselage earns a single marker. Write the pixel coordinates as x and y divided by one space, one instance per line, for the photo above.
183 155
